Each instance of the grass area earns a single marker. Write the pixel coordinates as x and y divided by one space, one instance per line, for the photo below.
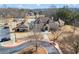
32 50
68 40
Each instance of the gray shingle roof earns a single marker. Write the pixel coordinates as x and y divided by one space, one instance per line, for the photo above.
43 20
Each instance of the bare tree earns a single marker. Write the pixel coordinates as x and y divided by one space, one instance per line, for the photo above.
70 44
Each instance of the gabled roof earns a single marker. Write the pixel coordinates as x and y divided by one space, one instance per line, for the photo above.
43 20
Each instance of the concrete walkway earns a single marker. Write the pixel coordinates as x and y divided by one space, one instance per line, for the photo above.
45 35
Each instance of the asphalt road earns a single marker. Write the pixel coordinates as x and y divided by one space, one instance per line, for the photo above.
50 48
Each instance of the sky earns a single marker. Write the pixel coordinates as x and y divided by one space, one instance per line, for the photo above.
37 6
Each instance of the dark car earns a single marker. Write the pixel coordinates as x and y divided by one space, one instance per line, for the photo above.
6 27
5 39
21 30
4 34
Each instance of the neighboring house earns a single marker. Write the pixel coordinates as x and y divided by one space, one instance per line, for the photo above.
42 23
30 14
53 26
44 20
17 19
38 27
46 23
56 24
30 20
30 23
61 22
33 15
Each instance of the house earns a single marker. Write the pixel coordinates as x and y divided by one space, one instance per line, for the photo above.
46 23
33 15
44 20
21 27
53 26
42 23
61 22
30 13
30 23
17 19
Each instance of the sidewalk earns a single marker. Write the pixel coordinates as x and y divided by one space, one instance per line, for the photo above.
10 44
57 46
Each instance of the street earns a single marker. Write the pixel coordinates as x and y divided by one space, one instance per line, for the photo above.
50 48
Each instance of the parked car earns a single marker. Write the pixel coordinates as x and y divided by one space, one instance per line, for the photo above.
4 34
21 30
5 39
6 27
